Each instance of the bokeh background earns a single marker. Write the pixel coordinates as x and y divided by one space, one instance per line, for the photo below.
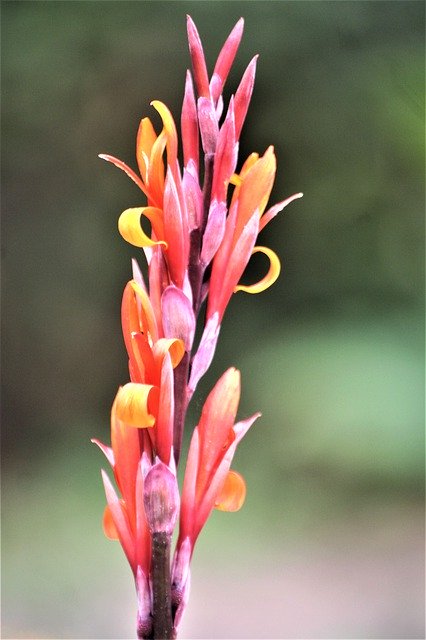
330 541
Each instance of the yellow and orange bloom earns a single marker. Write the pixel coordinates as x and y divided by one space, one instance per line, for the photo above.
198 230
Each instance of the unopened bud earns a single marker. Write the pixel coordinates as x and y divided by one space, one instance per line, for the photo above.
209 127
161 498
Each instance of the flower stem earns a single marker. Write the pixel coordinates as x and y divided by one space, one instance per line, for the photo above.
162 606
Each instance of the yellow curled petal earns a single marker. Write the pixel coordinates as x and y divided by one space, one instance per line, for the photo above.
271 276
174 346
169 128
129 226
232 494
136 403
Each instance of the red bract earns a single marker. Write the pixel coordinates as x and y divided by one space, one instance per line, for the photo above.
199 240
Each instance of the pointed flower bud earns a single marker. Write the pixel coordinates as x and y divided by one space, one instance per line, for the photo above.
209 127
214 231
178 316
161 498
243 95
204 356
189 125
225 59
198 59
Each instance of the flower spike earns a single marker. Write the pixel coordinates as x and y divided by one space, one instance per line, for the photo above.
204 218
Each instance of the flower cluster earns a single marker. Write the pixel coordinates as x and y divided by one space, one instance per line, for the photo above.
204 221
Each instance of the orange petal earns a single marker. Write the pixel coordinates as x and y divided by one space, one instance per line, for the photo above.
174 346
149 324
136 404
256 187
215 426
165 416
156 170
271 276
249 162
169 128
108 525
123 166
272 211
130 228
126 444
142 365
144 142
121 520
233 493
237 179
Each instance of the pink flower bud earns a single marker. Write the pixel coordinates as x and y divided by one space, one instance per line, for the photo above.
193 196
178 316
214 231
225 60
243 96
189 124
209 127
226 156
198 59
175 230
161 498
204 356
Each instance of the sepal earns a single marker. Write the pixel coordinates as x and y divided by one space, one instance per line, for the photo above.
243 96
178 316
204 356
144 617
209 128
198 59
181 580
225 60
214 232
161 498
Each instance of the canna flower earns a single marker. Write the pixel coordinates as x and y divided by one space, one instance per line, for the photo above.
124 517
198 230
209 483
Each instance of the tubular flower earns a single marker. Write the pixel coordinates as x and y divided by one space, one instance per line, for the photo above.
198 230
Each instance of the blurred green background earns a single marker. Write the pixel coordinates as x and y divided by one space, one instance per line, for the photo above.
330 541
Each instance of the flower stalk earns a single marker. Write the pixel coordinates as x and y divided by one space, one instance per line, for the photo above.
202 236
161 591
